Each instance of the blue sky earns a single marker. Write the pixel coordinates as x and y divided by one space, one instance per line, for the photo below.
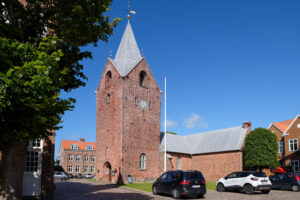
226 62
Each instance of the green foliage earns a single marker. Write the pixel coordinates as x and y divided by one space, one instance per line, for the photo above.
39 57
260 150
172 133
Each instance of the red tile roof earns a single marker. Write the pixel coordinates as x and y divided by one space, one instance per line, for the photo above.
283 125
66 144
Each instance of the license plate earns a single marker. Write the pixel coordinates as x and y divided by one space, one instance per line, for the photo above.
264 188
264 181
196 186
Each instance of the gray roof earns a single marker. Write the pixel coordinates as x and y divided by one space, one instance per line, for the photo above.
128 54
229 139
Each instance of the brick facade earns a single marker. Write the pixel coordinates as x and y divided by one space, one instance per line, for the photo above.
65 162
124 129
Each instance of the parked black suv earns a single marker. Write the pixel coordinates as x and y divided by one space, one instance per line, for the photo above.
180 183
288 181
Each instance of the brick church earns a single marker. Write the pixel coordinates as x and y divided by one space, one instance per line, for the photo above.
128 138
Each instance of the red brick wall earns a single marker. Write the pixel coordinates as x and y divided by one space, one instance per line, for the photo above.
124 130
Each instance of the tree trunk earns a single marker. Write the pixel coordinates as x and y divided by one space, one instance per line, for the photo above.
12 167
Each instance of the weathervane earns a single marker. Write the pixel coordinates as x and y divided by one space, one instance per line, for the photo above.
130 11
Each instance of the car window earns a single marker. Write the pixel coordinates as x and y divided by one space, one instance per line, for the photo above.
259 174
243 174
190 175
163 177
278 177
232 175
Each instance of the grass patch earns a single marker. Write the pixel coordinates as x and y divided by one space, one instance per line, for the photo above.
92 180
211 185
139 186
148 186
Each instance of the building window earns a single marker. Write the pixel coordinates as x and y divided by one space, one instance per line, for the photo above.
280 146
86 158
70 157
92 168
77 157
136 101
142 78
70 168
92 158
108 79
31 161
143 161
108 98
294 165
86 169
74 146
150 106
36 143
293 144
89 147
77 168
178 162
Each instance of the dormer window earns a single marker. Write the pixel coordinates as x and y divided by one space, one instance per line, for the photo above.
74 146
142 78
108 79
89 147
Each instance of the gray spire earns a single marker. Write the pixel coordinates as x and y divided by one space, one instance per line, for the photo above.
128 54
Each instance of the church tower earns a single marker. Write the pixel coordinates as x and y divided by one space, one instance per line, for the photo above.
127 117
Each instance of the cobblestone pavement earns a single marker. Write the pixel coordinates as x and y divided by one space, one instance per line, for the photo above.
85 190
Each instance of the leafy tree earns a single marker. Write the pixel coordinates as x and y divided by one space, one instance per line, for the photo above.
172 133
260 150
40 52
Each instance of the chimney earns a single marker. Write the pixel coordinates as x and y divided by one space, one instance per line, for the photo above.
82 140
248 126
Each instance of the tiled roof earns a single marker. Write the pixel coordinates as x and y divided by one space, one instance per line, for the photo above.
66 144
229 139
283 125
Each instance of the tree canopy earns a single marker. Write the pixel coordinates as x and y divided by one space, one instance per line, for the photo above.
40 56
260 150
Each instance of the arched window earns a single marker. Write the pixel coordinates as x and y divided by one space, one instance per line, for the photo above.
74 146
143 161
108 98
89 147
142 78
108 79
77 157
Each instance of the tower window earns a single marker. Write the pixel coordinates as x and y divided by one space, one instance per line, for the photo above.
108 99
108 79
143 161
136 101
150 106
142 78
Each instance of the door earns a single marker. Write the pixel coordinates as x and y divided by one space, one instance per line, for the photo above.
33 169
160 183
229 181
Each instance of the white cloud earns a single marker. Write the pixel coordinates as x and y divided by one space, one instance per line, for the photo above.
195 120
170 124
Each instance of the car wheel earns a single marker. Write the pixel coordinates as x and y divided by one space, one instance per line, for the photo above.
295 188
265 191
220 187
201 195
175 193
154 190
248 189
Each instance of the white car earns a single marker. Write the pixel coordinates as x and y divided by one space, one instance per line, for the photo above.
246 181
60 175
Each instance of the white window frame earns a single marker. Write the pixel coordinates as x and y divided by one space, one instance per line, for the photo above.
86 158
92 158
31 144
295 163
92 168
292 142
179 162
70 157
77 169
89 147
70 168
280 144
77 157
143 159
86 169
74 146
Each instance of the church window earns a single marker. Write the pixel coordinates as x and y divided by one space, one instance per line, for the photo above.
143 161
136 101
108 79
74 146
108 99
142 78
178 162
150 105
